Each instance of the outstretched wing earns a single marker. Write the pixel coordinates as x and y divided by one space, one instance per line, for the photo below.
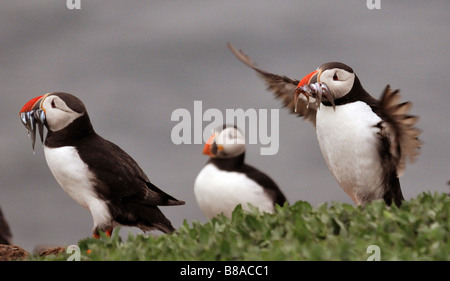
283 88
399 130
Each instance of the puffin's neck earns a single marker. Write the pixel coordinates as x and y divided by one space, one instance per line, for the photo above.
70 135
228 164
357 93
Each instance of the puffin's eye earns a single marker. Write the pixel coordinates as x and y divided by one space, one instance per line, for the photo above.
53 104
335 77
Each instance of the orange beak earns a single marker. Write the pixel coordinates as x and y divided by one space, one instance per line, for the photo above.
207 148
307 79
30 104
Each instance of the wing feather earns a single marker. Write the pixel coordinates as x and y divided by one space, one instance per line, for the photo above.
399 129
119 176
282 87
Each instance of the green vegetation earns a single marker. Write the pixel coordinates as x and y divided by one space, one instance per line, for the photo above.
419 230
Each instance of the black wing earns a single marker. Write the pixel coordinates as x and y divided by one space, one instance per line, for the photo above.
283 88
270 187
399 141
398 128
119 176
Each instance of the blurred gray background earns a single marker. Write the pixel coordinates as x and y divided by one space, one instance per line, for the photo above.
134 62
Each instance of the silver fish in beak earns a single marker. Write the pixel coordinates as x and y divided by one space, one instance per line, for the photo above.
33 117
309 86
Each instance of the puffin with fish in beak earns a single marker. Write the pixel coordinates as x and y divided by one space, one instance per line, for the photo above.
95 172
365 142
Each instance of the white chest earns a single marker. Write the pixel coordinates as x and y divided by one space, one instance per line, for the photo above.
74 177
220 191
350 145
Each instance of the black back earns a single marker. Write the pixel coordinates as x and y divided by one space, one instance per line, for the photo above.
236 164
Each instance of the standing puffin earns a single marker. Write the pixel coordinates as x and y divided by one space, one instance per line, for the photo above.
96 173
226 181
365 142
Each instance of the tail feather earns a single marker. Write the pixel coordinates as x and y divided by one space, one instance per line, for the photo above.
158 197
152 218
146 217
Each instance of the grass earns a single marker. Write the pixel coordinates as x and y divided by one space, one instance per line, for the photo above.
418 230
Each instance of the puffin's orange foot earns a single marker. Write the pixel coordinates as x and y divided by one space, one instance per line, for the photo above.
108 232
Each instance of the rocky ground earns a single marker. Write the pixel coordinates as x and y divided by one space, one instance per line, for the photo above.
14 252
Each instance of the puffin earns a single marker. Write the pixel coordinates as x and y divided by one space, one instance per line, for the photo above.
227 181
5 232
364 141
95 172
